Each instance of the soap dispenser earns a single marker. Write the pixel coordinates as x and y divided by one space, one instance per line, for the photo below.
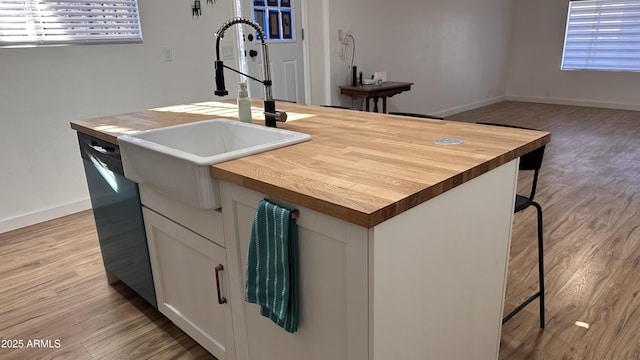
244 104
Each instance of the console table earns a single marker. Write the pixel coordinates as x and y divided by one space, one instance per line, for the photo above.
387 89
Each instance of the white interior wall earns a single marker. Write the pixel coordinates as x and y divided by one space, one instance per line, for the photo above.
455 52
534 66
43 89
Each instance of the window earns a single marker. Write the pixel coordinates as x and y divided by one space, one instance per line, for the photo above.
45 22
275 18
602 35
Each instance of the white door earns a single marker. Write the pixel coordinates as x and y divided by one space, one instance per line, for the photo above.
281 21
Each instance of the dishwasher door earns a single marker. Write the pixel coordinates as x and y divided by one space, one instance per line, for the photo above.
118 215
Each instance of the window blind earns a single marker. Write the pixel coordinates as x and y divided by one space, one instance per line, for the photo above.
602 35
42 22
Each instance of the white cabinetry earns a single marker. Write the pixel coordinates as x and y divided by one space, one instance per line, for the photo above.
190 277
426 284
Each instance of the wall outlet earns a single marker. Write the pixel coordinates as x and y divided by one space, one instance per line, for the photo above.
227 52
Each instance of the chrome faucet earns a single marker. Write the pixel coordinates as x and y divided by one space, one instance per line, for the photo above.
270 113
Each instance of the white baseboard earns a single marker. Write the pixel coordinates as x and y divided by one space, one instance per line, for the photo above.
575 102
44 215
471 106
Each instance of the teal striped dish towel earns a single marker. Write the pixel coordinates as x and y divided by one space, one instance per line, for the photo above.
272 265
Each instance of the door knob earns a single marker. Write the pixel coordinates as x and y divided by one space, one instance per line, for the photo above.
253 53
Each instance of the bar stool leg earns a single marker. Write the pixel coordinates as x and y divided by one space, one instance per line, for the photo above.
540 294
540 263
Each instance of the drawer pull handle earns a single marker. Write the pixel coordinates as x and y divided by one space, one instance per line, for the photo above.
221 299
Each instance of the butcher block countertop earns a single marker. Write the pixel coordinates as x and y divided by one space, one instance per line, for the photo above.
360 167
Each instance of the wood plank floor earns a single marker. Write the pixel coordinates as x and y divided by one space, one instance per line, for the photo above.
53 287
589 188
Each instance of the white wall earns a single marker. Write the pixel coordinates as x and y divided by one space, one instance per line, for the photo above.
43 89
455 52
534 67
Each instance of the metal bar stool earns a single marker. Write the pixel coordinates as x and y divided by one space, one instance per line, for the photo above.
425 116
531 161
340 107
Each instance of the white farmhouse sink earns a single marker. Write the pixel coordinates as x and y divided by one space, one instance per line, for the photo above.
175 160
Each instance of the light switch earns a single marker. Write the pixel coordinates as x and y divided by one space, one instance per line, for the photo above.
167 54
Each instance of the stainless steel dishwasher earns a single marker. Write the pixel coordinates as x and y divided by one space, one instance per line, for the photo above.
118 216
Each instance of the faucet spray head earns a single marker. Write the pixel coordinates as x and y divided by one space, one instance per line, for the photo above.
270 113
219 66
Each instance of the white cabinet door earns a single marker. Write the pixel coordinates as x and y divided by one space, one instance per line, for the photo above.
191 283
332 279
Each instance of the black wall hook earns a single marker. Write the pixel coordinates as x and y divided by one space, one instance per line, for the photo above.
195 10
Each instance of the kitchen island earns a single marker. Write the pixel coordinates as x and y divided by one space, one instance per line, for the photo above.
403 242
